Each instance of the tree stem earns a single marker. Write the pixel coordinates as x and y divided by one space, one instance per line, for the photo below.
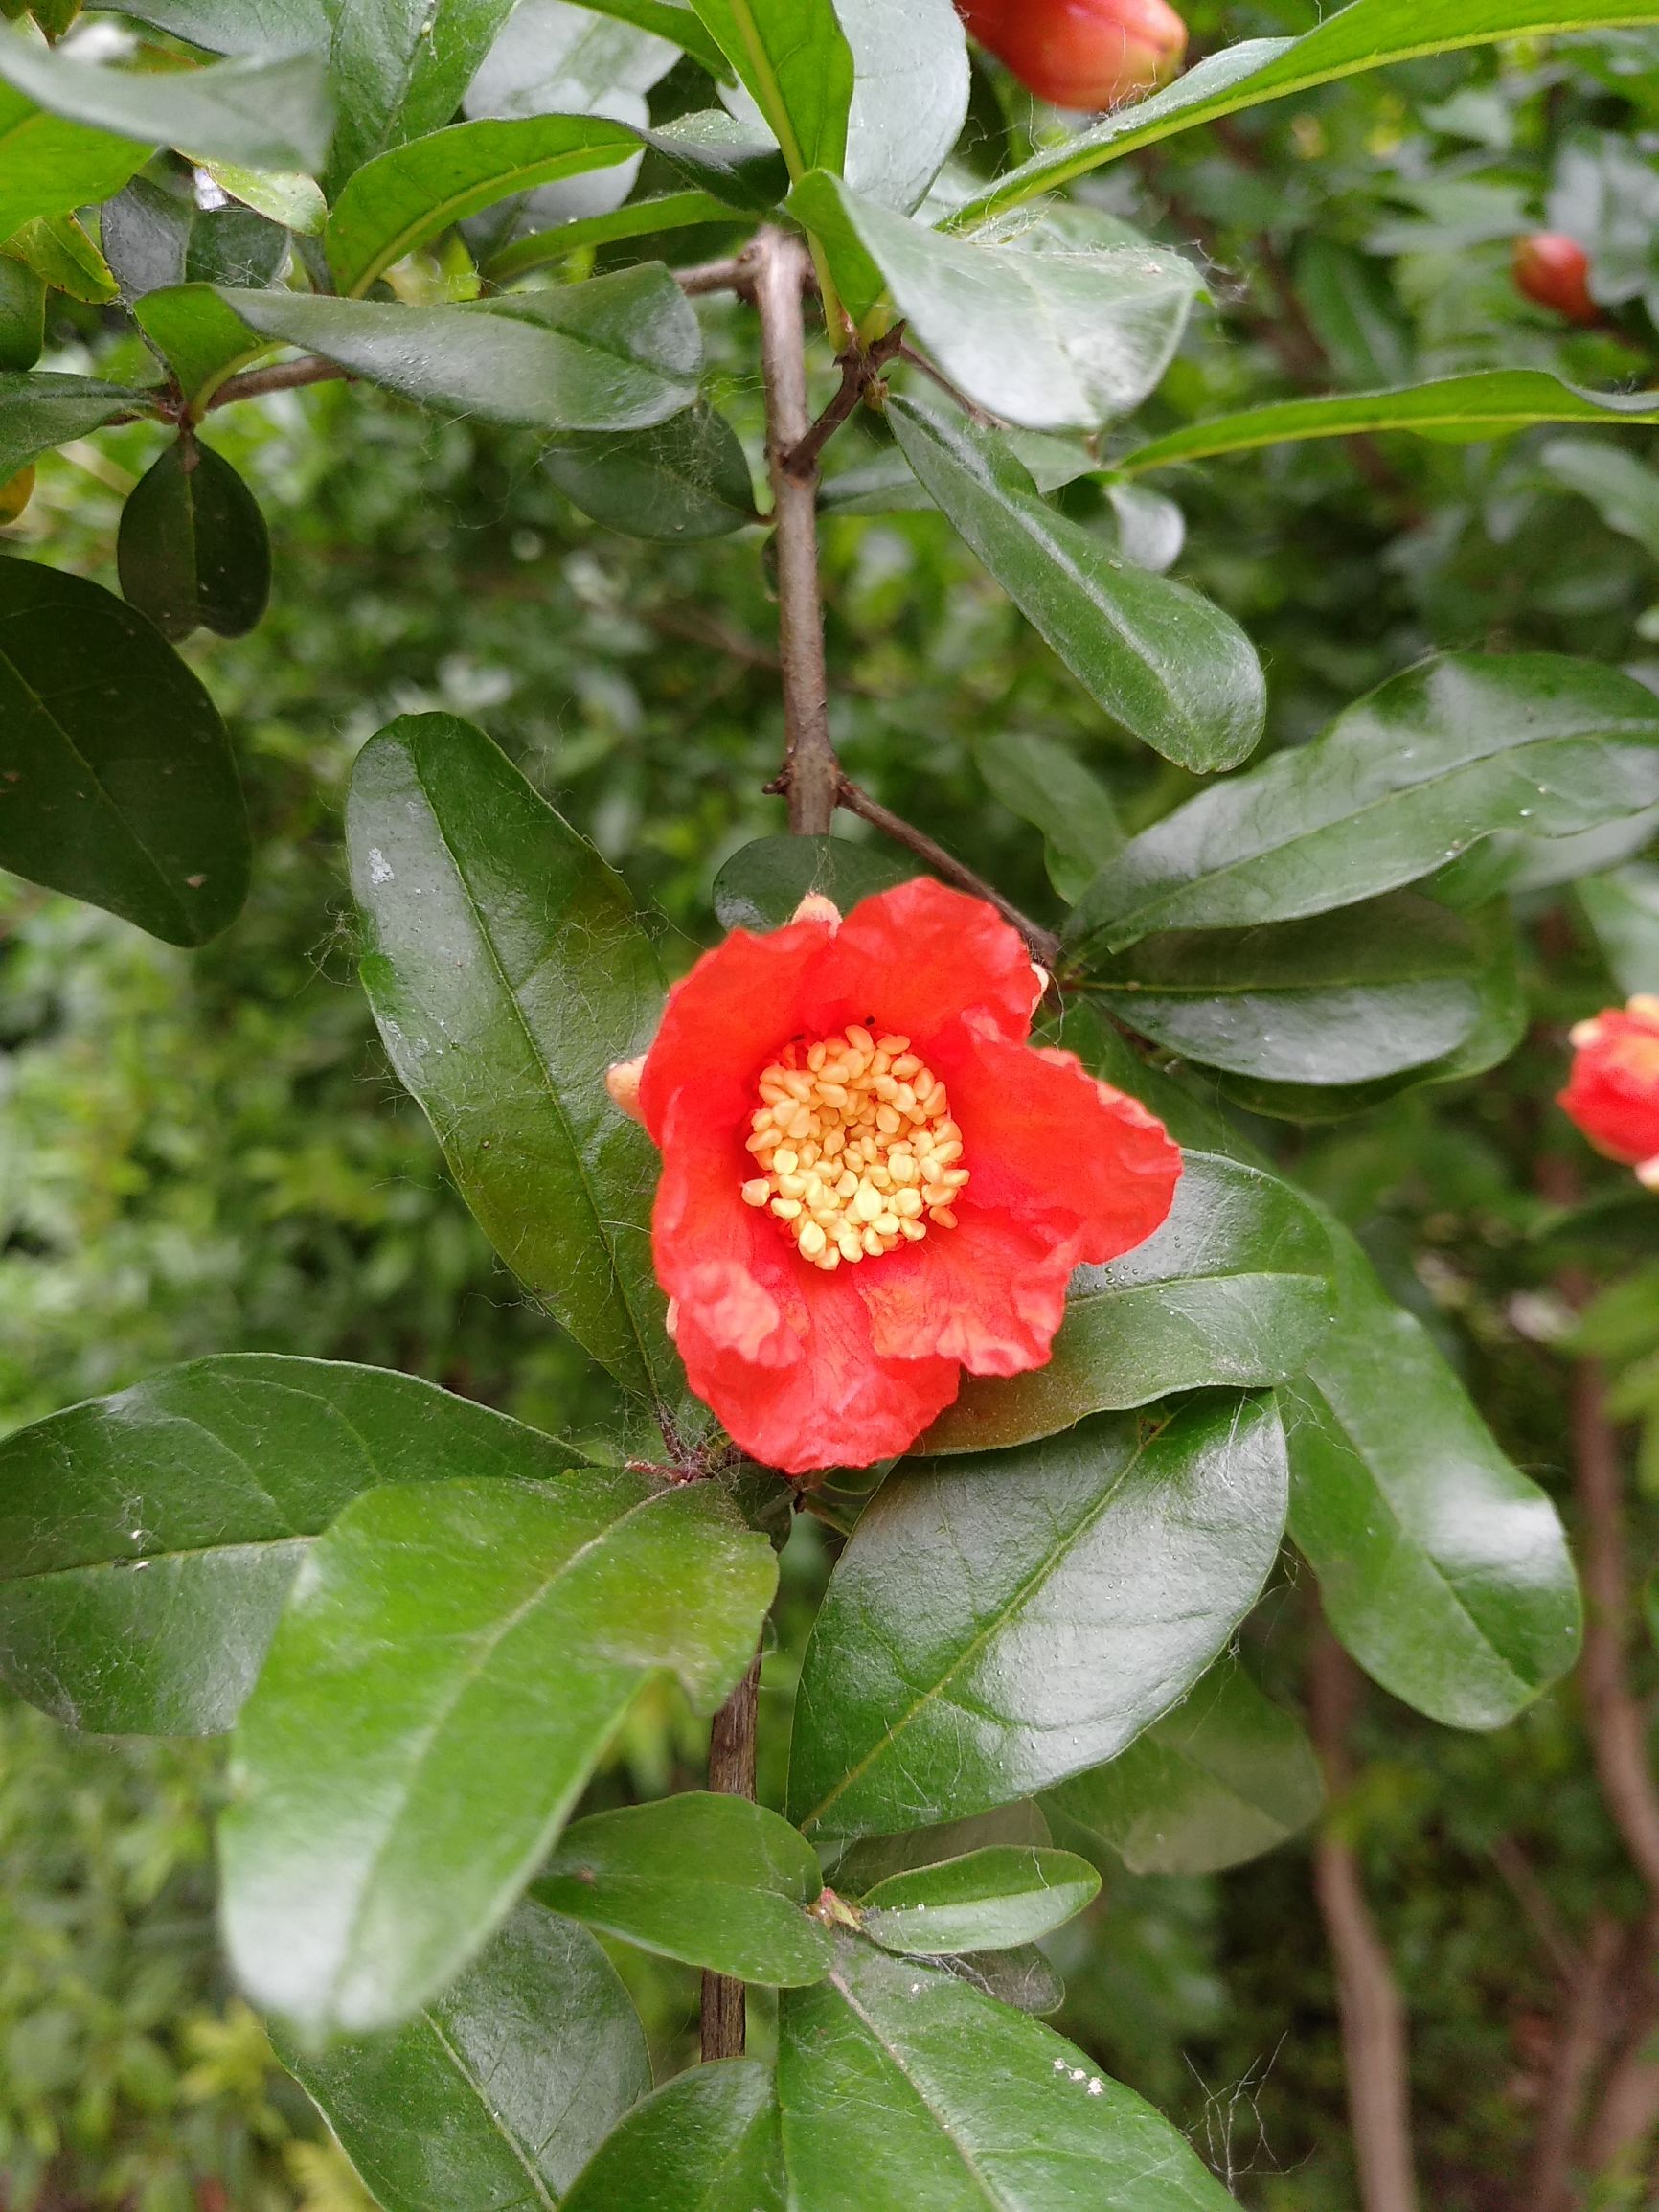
1045 945
779 272
732 1772
1374 2027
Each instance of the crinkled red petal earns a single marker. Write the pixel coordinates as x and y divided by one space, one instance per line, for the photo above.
920 957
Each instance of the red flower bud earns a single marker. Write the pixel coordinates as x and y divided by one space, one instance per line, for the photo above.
1555 271
1083 54
1613 1094
870 1180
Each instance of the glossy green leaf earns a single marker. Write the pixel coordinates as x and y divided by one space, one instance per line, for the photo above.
232 245
397 69
51 167
1355 312
1444 1570
285 197
43 410
1500 1023
1224 1777
1235 1289
22 318
909 96
797 65
668 210
497 2093
708 2142
618 352
856 1867
147 1540
1170 667
761 885
989 1899
1046 785
729 159
200 339
1405 781
450 1663
1491 402
715 1881
250 27
507 970
145 232
683 480
1623 491
949 2102
116 780
407 195
192 550
1097 323
1623 909
1368 34
265 113
997 1622
1338 998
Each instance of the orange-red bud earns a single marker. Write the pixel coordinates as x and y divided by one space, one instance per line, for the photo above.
1554 271
1081 53
1613 1095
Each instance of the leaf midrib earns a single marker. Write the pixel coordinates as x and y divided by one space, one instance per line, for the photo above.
839 1983
532 2171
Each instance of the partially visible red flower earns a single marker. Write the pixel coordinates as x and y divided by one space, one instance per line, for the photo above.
1086 53
1613 1093
871 1179
1554 271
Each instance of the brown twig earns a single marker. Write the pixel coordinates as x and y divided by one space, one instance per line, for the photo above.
970 408
727 276
860 369
778 267
1045 945
282 377
732 1772
1578 2047
1372 2017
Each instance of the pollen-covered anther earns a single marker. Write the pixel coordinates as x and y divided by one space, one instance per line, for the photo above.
855 1148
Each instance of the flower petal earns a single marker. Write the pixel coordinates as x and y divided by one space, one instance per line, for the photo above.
921 956
989 1292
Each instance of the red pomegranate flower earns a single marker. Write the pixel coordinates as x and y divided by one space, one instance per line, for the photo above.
1613 1093
870 1180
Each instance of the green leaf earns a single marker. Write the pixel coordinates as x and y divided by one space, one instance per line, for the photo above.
1355 313
264 113
232 245
22 319
1338 998
1235 1289
1624 492
449 1667
1400 783
43 410
397 69
949 2101
499 2091
998 1622
116 780
1623 909
1046 784
285 197
193 551
668 211
507 970
1491 402
797 65
1170 668
711 1879
991 1900
1097 323
1500 1023
1369 35
201 340
759 887
147 1540
910 87
708 2142
685 479
49 166
720 156
1224 1777
406 197
1444 1570
857 1867
145 232
618 352
250 27
672 19
60 253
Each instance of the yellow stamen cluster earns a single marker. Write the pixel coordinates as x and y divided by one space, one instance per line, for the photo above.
856 1147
